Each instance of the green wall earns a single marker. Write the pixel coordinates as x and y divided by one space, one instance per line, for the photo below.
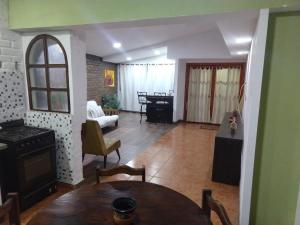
277 161
48 13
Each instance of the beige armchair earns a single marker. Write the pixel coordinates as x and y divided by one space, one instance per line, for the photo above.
94 143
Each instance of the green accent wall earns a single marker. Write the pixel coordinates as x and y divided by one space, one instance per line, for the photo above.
49 13
277 161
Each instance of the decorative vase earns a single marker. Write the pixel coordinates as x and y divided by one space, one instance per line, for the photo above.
124 211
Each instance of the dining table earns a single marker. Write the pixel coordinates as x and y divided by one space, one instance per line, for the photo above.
91 205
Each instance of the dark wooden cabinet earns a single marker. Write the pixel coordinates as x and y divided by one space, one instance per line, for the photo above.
227 153
159 109
2 187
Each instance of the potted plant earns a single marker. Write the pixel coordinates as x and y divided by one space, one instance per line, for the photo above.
110 104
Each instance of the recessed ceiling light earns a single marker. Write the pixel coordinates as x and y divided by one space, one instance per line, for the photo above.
117 45
128 58
156 52
243 40
242 52
284 5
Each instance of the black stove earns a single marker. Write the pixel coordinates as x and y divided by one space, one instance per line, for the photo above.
20 133
28 165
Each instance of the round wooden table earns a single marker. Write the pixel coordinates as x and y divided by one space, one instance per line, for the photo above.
156 205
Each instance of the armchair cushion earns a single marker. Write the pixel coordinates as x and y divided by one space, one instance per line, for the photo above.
112 144
96 113
94 110
105 121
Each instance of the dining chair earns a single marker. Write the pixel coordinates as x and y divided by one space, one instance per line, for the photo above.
10 210
94 143
209 203
142 99
124 169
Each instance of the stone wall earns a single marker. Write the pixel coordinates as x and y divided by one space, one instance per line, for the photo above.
95 78
12 88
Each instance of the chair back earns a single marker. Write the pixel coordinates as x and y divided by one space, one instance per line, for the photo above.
160 94
92 138
142 97
119 170
11 210
208 204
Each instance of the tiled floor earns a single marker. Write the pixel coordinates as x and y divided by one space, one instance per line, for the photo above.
135 138
182 160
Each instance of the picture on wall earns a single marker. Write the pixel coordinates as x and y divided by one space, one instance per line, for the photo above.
109 78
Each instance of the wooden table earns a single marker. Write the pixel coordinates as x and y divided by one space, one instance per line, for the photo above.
156 205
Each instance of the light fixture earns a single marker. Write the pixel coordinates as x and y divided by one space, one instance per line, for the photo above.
117 45
243 40
284 5
156 52
128 58
242 52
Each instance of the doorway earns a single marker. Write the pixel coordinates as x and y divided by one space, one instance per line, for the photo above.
211 90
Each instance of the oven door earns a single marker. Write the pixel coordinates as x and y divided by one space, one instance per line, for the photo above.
37 168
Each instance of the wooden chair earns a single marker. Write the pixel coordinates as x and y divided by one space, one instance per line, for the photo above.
11 209
94 143
142 99
208 204
119 170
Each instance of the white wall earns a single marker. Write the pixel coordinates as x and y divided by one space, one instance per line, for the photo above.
157 59
79 89
12 96
68 136
179 89
254 76
65 38
208 45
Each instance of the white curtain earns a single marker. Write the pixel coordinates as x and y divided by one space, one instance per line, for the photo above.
226 96
143 78
198 105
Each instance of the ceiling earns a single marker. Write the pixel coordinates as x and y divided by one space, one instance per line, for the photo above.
139 39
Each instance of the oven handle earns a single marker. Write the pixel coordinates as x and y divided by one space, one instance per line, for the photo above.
35 151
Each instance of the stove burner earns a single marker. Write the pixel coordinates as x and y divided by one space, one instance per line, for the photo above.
18 133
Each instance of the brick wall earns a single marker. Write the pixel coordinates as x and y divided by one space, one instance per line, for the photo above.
95 78
12 85
12 88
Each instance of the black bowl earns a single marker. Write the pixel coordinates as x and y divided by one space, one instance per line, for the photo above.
124 205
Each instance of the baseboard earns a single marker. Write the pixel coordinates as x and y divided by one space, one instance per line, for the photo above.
66 185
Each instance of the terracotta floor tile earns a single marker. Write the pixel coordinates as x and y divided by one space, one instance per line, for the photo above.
182 160
161 181
187 155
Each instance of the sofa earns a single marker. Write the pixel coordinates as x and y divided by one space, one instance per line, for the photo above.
105 117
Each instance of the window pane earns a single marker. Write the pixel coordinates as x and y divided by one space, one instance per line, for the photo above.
37 77
59 101
58 77
39 100
36 55
55 53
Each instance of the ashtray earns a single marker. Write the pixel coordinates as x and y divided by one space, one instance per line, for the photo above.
124 208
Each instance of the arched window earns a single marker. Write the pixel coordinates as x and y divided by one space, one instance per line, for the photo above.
47 75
